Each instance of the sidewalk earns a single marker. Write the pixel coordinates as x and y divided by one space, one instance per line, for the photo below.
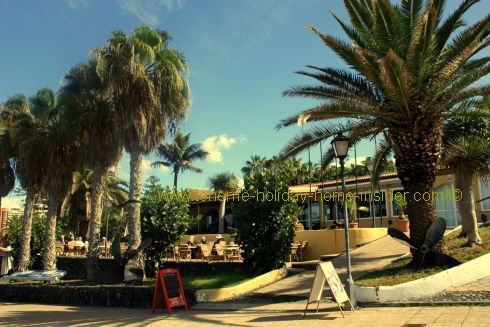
46 315
366 258
476 292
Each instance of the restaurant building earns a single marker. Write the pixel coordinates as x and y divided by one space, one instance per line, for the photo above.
321 202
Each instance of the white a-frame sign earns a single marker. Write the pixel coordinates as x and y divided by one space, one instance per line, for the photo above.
325 272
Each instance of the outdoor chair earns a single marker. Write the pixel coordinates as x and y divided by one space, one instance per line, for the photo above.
294 252
70 248
220 251
301 249
184 252
232 254
206 252
60 249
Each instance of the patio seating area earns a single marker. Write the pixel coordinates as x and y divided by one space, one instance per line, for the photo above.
206 251
80 249
297 251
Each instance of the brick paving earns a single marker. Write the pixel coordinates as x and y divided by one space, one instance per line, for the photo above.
364 259
249 315
475 292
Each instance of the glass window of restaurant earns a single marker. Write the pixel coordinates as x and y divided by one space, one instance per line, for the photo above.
485 192
376 200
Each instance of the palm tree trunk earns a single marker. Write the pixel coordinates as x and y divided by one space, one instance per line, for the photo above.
49 254
176 176
417 152
98 186
466 206
25 244
134 221
221 219
134 210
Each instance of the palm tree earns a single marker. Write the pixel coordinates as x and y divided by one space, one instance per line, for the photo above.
223 183
23 131
58 163
408 73
179 155
255 164
149 84
96 121
467 155
116 192
7 174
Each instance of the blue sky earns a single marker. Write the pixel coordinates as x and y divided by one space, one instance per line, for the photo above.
242 54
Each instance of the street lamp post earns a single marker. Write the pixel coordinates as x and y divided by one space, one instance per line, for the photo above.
341 147
370 167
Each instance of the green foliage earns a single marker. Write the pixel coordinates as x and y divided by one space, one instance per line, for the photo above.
14 235
165 217
265 227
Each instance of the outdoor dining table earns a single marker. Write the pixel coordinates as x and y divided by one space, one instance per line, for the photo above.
78 248
231 249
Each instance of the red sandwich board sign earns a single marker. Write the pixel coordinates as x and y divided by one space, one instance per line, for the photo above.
169 291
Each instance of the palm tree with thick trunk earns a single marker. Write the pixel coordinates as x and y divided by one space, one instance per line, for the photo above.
96 122
222 184
179 155
408 72
59 146
23 129
466 152
7 174
149 83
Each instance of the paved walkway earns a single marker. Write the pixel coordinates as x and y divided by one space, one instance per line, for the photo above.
366 258
476 292
285 315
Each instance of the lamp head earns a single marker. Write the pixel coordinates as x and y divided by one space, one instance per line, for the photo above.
340 145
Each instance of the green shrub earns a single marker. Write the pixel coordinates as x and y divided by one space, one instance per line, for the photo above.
265 226
165 218
14 235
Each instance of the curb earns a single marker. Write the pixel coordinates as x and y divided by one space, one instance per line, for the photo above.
423 304
232 292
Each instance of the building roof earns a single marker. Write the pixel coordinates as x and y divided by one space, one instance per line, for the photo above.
333 182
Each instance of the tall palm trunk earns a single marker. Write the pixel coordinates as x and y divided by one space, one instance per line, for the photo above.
25 244
98 186
134 221
466 205
417 152
221 220
49 254
134 210
176 176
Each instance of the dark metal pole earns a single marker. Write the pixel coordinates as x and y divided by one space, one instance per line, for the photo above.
336 202
379 191
309 195
349 281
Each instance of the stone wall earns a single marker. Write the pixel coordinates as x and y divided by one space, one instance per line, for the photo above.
75 267
103 295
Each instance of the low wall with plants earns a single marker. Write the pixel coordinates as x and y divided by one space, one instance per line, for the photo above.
102 295
75 267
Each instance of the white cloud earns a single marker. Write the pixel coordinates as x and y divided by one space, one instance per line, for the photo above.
216 144
77 4
148 11
246 23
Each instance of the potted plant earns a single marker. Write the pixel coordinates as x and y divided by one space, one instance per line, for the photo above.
352 209
402 224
